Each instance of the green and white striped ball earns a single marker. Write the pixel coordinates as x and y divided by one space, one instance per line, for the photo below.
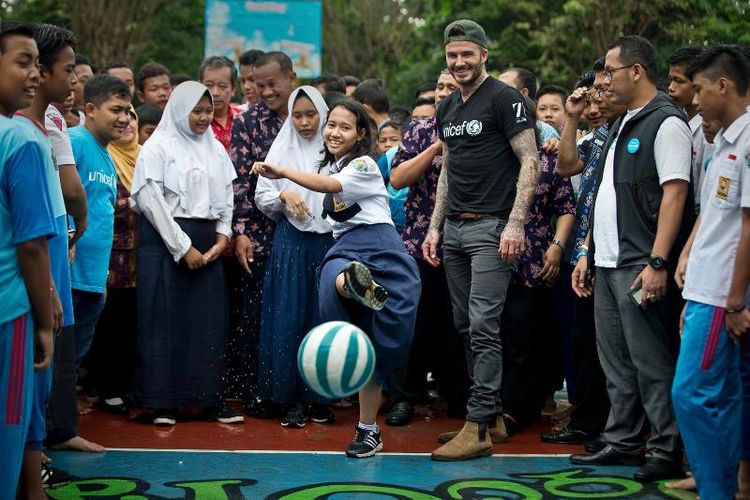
336 359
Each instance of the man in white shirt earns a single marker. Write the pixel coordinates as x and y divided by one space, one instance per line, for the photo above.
682 93
637 214
714 268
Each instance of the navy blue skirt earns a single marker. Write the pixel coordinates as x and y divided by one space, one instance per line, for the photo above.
391 329
290 310
182 322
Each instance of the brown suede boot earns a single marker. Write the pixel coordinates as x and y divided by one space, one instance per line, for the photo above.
496 429
471 442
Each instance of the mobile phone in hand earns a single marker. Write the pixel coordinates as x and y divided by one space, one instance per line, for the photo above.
636 295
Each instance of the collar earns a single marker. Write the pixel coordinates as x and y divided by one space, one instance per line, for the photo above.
32 120
732 133
695 123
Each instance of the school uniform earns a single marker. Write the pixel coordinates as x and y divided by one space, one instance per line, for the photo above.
364 232
26 214
182 187
707 390
291 273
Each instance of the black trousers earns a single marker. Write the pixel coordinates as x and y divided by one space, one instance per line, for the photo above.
591 401
436 347
62 411
527 319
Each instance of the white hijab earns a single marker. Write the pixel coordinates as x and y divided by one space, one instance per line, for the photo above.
290 149
188 164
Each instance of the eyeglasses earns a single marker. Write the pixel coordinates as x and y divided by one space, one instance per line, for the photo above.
609 72
596 94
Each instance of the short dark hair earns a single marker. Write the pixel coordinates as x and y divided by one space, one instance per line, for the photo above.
424 101
351 81
51 40
364 145
330 82
399 114
148 114
283 60
332 97
393 124
684 55
372 93
552 89
722 60
116 65
585 80
101 87
423 88
635 49
8 30
249 57
526 78
218 62
598 66
82 60
178 78
150 70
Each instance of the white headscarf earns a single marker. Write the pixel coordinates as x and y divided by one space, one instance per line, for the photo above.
188 164
290 149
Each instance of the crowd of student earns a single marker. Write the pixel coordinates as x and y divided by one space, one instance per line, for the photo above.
496 241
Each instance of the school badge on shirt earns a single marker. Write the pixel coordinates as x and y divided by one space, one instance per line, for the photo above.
722 192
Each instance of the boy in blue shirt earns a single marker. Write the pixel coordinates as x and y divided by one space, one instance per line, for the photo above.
26 221
107 104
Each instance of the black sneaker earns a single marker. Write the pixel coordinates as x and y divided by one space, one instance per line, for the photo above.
366 444
52 478
320 414
295 418
265 410
164 418
359 284
225 415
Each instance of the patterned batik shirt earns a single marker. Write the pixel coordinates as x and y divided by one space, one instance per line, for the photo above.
253 132
417 137
553 198
590 151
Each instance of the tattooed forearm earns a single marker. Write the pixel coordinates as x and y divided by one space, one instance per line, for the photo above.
524 145
441 196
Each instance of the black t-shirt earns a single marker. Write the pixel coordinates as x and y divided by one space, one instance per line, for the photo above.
482 167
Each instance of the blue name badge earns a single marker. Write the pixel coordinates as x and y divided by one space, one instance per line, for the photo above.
633 146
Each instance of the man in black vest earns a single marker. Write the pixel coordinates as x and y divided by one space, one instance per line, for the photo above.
641 195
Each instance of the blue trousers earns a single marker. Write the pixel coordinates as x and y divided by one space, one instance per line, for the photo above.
707 396
16 393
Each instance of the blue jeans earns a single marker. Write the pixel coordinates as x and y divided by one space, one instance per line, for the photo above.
707 397
87 306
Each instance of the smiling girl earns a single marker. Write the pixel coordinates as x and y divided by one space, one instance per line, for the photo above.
183 188
367 277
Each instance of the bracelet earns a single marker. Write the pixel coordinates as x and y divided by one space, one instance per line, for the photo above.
559 243
583 253
736 310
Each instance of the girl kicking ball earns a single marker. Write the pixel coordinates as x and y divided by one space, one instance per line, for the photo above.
367 278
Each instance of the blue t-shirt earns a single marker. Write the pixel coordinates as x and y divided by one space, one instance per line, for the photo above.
25 211
57 246
396 197
99 178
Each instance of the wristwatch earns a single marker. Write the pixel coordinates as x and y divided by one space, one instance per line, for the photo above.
657 262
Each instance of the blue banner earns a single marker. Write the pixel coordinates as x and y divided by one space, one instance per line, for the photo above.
293 27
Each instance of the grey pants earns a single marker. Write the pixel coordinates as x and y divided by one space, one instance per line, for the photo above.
477 281
638 356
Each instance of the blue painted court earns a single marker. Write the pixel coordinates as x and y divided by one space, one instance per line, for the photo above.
203 475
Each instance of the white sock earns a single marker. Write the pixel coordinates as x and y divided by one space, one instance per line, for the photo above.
369 427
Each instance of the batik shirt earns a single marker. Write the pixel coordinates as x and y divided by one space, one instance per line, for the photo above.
253 132
590 152
553 197
417 137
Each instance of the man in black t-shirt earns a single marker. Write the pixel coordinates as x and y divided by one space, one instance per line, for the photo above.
489 175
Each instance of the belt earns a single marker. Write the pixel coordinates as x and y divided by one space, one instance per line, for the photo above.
470 216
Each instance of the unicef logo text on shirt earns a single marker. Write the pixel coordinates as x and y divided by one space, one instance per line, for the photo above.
474 127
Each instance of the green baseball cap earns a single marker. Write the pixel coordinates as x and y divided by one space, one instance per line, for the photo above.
472 32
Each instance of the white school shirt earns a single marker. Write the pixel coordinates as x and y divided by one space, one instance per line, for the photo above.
672 152
361 183
57 131
699 152
726 191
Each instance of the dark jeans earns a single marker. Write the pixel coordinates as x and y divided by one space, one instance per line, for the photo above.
87 306
436 347
478 280
62 412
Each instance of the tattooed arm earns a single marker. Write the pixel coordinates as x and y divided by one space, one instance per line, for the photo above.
431 242
512 239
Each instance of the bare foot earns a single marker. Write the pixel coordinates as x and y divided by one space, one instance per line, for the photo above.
79 444
687 484
84 408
